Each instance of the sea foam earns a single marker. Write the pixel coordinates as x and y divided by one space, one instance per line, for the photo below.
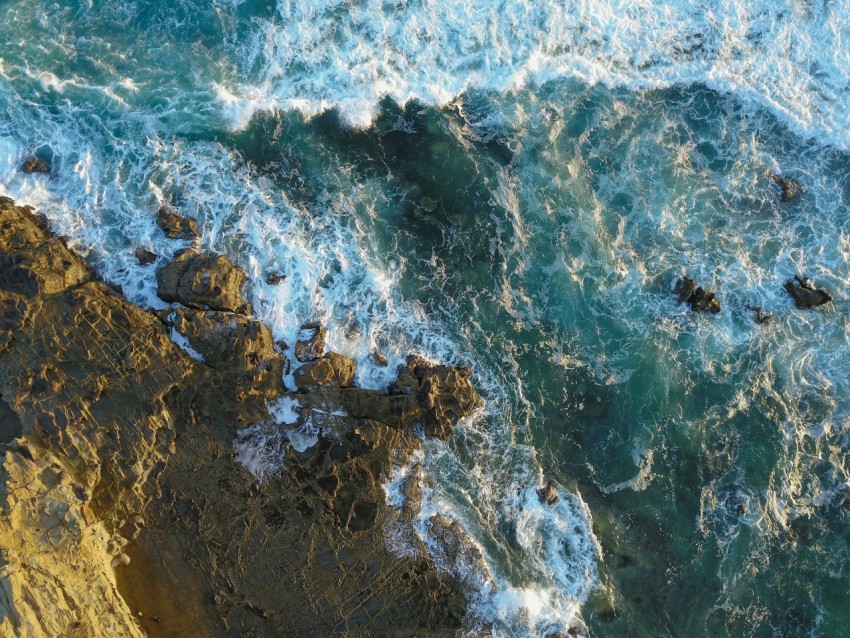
315 55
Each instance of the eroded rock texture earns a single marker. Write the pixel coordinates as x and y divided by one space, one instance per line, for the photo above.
124 512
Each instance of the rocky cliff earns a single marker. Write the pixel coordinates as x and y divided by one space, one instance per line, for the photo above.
124 509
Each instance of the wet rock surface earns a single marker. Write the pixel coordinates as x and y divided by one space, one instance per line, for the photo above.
548 494
760 316
176 226
34 164
788 188
124 510
695 296
202 281
805 294
144 256
311 342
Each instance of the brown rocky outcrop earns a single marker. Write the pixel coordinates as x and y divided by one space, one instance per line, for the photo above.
34 165
176 226
789 188
124 512
202 281
696 297
311 342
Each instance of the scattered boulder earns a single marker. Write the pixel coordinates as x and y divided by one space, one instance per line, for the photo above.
759 316
176 226
144 256
379 358
548 494
202 281
311 342
696 297
788 188
275 279
34 164
804 293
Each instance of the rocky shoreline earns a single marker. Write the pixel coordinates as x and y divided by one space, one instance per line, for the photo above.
125 509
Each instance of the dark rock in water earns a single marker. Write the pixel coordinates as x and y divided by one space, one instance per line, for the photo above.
698 299
759 316
176 226
34 165
275 279
144 256
788 188
332 369
804 293
443 393
549 494
311 342
202 281
379 358
458 549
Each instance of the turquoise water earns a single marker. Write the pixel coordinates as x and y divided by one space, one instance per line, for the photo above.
516 187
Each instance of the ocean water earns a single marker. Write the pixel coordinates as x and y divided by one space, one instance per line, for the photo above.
514 186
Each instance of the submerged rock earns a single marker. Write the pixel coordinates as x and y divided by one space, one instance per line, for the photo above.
311 342
804 293
788 188
34 164
458 551
696 297
176 226
144 256
548 494
379 358
202 281
759 316
275 279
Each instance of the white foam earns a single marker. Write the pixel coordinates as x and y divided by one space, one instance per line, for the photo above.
784 56
283 410
261 450
183 342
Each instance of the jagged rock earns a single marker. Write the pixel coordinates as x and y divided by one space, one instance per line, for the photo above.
176 226
144 256
332 369
759 316
698 299
57 571
311 342
275 279
788 188
126 454
34 165
202 281
443 393
804 293
548 494
231 342
379 358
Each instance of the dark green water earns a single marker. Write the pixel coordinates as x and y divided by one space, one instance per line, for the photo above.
535 234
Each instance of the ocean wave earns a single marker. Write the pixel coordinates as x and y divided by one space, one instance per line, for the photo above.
315 55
